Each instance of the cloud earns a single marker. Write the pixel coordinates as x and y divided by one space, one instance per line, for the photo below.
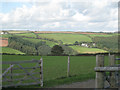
80 17
59 15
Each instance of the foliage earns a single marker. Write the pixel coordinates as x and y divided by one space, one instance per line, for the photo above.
68 50
76 43
27 46
57 50
44 50
107 43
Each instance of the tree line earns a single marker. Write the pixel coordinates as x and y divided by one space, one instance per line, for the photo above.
40 48
28 47
107 43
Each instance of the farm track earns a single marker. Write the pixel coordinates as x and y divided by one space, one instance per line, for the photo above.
84 84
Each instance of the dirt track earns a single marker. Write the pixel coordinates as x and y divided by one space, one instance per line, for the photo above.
85 84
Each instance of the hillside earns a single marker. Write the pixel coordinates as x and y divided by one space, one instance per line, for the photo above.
10 51
67 38
72 42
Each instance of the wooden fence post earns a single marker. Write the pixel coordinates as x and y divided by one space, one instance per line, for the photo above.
11 72
99 75
41 72
112 74
68 67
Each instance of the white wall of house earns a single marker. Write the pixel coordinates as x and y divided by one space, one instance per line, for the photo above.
84 45
2 33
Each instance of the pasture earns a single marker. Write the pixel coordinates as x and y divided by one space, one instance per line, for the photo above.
67 38
80 49
100 35
10 50
27 35
49 43
55 68
18 31
5 35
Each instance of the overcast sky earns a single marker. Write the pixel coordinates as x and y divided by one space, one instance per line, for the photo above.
58 15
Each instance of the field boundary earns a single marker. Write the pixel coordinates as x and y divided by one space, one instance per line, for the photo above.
9 73
112 77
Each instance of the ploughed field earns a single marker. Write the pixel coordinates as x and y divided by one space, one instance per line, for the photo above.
55 68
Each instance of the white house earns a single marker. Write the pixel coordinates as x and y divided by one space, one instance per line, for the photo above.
84 45
4 32
93 44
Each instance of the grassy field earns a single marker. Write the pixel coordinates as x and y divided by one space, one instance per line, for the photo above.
10 50
97 35
18 31
27 34
5 35
67 38
80 49
49 43
55 68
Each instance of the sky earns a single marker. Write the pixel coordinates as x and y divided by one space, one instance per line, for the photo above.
59 15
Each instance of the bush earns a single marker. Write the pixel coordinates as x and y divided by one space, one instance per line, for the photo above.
57 50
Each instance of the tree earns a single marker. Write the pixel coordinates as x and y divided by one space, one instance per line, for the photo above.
44 50
76 43
57 50
68 50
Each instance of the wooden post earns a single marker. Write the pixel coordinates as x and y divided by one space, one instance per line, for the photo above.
41 72
68 67
112 74
99 75
11 72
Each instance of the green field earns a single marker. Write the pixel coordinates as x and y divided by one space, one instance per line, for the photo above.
67 38
52 39
5 35
27 34
55 68
18 31
99 35
10 50
80 49
49 43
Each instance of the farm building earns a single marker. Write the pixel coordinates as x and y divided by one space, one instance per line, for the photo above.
4 32
84 44
88 44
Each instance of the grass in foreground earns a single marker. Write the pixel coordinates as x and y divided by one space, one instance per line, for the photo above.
55 68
